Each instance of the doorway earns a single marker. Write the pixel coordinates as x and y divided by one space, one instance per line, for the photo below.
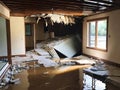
30 36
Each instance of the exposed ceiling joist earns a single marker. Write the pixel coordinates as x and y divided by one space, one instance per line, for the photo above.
68 7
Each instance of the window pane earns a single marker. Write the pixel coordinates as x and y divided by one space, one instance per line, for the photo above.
28 29
92 34
102 31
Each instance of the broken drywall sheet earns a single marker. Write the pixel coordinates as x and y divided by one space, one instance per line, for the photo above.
42 52
33 55
18 60
81 60
44 59
53 53
3 68
47 62
50 42
69 47
90 62
9 78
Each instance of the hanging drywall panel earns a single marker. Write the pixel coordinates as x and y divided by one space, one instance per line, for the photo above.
3 37
17 27
69 47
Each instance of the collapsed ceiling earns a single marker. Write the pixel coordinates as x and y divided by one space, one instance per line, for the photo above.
65 7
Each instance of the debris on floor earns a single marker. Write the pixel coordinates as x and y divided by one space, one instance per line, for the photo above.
45 55
78 60
9 78
47 62
106 73
67 45
98 66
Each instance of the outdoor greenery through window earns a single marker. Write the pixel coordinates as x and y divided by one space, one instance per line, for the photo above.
97 34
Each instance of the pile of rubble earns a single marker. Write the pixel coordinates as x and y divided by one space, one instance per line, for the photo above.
9 77
44 55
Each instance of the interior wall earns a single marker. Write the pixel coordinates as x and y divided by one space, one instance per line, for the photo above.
17 28
40 33
3 37
39 29
113 53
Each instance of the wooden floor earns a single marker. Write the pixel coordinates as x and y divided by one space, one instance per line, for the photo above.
41 78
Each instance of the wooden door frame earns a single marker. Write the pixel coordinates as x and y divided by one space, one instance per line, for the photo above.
34 34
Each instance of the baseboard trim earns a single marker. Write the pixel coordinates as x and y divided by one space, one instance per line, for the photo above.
104 60
23 55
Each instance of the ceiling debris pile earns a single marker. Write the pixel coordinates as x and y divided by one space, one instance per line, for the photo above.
78 60
45 53
67 46
54 18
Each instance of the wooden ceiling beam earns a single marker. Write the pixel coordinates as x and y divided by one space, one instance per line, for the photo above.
86 3
11 3
28 13
24 7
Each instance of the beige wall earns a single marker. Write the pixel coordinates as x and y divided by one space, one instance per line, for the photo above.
113 53
17 28
40 34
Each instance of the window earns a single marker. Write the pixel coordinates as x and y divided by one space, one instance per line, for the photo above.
28 29
97 34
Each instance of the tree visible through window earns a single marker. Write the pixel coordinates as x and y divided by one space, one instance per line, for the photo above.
97 34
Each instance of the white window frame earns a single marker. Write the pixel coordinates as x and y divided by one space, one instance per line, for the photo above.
96 35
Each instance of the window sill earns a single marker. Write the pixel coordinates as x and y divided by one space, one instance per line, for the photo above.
104 50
